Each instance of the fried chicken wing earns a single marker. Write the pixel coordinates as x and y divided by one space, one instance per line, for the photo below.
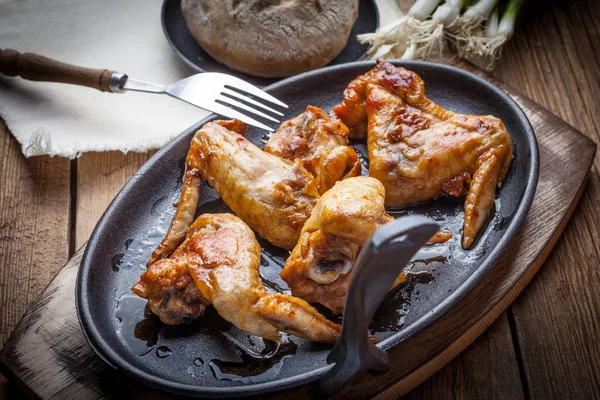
320 143
341 222
218 265
345 217
171 292
272 195
419 150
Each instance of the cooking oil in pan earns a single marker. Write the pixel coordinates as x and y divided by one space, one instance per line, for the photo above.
255 368
138 327
163 352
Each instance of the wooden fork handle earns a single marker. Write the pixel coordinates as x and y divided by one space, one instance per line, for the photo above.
39 68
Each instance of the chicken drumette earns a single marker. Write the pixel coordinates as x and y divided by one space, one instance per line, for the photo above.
343 220
218 265
272 195
419 150
320 143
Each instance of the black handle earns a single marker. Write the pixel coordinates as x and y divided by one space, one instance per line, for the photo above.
378 265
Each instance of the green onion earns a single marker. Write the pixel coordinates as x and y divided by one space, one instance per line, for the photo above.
447 14
479 34
491 25
422 9
415 36
476 14
509 18
485 48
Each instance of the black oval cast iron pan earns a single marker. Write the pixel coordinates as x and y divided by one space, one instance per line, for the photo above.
214 359
185 46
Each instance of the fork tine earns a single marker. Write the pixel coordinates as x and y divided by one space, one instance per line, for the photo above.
237 83
240 96
231 102
231 113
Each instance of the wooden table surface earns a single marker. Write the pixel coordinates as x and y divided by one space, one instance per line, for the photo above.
544 346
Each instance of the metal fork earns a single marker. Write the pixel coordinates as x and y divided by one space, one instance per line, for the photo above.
219 93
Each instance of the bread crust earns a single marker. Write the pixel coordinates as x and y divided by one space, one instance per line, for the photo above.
271 38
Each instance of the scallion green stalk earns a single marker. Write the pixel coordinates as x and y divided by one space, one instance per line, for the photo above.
509 18
485 47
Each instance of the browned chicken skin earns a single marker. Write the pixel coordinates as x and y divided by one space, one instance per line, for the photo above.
171 292
320 143
418 149
341 222
272 195
345 217
218 264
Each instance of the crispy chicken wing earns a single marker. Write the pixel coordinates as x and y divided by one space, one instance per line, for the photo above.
320 143
218 264
340 224
272 195
171 292
418 149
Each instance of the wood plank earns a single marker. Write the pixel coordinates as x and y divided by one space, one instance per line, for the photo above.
556 319
100 176
485 370
34 223
557 322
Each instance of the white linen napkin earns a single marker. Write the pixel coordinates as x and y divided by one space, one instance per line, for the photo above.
67 120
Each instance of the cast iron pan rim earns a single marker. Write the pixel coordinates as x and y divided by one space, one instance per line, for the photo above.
195 67
163 22
105 352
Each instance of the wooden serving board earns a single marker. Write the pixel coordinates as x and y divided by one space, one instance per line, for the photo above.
48 357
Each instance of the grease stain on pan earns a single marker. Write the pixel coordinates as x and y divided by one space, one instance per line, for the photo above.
394 309
138 327
255 368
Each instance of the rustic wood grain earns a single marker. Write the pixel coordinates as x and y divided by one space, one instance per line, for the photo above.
76 371
557 319
34 234
100 176
56 370
486 370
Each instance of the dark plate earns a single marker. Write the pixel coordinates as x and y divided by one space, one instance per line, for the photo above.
186 360
182 42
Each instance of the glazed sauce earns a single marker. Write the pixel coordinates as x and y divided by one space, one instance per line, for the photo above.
269 273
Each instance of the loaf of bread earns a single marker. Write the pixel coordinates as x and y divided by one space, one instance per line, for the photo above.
271 38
